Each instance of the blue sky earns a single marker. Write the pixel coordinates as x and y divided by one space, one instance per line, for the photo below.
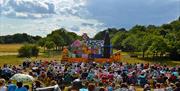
40 17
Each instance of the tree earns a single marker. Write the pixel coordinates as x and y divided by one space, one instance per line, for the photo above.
50 45
137 29
28 51
129 44
112 31
174 45
34 50
61 37
117 40
25 51
42 42
19 38
58 40
144 43
158 45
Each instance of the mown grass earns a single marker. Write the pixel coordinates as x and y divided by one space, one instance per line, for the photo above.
15 60
162 61
10 59
8 55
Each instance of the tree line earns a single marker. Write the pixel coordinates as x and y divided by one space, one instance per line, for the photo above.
55 41
19 38
151 40
58 39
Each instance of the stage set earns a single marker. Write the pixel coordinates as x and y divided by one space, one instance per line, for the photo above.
91 50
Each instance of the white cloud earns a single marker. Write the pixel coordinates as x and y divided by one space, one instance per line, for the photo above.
42 8
45 26
40 17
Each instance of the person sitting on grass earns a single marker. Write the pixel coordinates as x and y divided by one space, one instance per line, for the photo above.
2 85
11 86
20 87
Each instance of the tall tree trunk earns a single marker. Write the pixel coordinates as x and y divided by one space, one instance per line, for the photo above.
161 54
56 47
147 55
156 54
44 49
153 54
143 53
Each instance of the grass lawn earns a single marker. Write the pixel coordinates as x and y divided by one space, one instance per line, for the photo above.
164 61
8 54
14 60
10 59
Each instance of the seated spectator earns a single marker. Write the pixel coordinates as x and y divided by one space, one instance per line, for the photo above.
2 85
147 87
27 87
177 86
91 87
11 86
20 87
159 88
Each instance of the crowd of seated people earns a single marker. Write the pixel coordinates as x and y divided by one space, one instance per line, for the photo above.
64 76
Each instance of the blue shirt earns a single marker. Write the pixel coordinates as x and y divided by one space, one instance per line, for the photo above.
21 89
11 87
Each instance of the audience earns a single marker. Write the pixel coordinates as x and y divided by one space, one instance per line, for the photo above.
93 76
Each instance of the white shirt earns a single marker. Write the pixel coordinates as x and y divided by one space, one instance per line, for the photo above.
160 89
3 88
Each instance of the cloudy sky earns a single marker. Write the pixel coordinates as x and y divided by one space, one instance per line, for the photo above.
40 17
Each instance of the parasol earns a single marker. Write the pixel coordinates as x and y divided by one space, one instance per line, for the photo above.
22 78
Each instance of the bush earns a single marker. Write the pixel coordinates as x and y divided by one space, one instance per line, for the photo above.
28 51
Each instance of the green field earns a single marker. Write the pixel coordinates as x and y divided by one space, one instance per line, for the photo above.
14 60
162 62
8 55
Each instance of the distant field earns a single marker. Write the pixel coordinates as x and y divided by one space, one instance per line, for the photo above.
12 59
10 47
8 55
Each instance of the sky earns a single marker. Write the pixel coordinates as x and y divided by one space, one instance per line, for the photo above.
40 17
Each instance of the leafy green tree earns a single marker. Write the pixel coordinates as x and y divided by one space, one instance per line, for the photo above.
137 29
101 34
25 51
28 50
42 42
158 45
19 38
143 43
34 50
61 37
117 40
175 25
58 40
174 45
50 45
129 43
